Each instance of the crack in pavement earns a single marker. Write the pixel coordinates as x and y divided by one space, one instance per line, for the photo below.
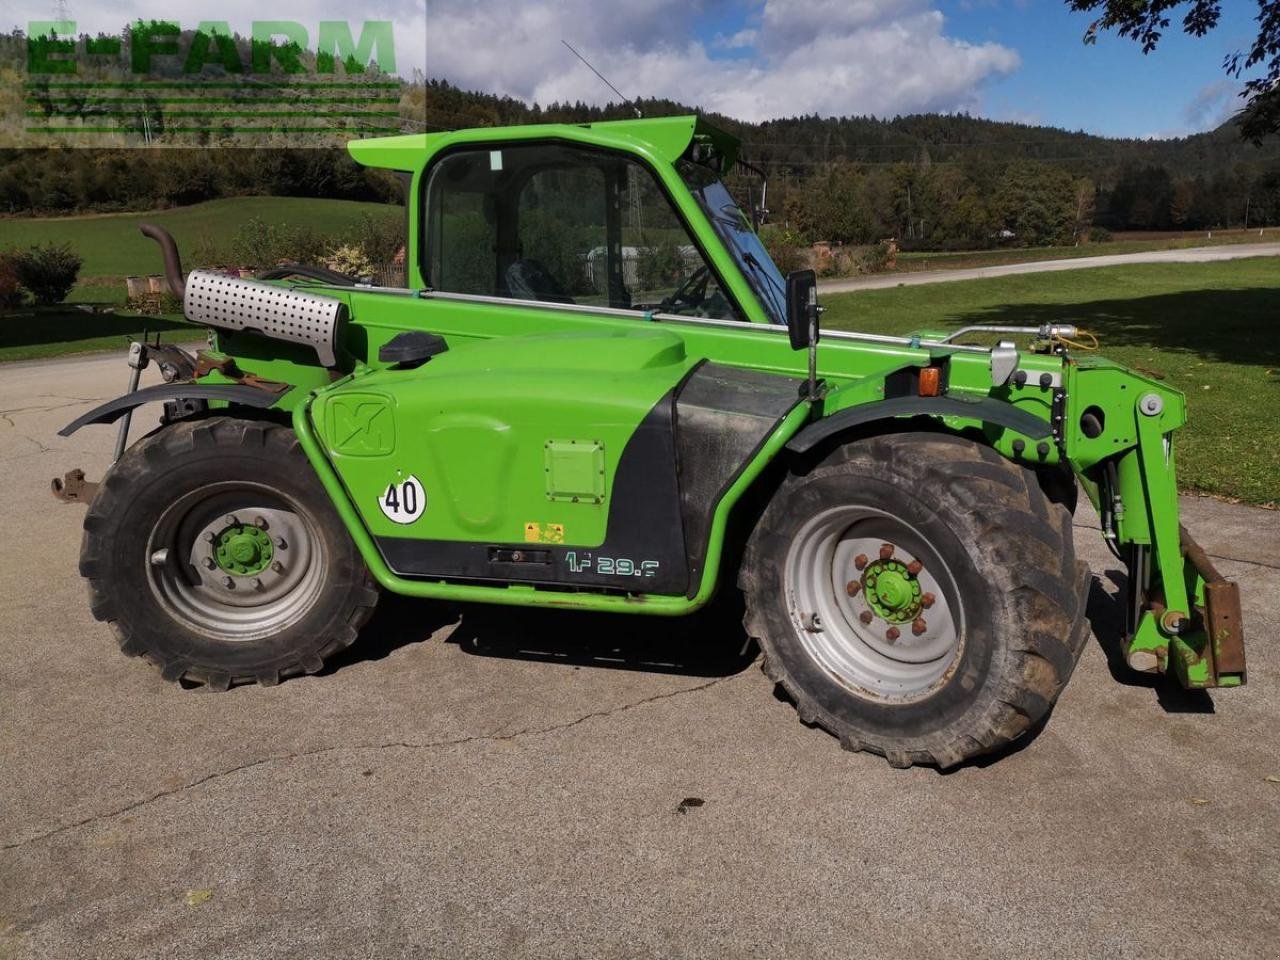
31 454
353 748
40 445
71 402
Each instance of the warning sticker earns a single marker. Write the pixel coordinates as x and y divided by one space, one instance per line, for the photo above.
543 532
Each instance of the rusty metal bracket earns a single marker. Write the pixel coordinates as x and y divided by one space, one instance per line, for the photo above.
205 365
74 488
1222 616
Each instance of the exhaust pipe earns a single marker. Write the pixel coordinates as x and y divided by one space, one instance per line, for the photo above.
172 262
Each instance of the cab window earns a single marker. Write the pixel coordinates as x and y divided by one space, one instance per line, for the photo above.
563 224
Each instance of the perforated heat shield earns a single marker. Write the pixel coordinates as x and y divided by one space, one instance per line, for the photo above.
214 300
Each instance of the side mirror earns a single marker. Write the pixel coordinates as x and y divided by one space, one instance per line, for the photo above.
802 308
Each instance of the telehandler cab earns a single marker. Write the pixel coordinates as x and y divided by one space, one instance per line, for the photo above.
597 392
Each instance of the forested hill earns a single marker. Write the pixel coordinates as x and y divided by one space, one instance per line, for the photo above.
801 143
933 181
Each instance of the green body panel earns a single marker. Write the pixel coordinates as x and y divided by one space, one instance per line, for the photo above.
518 595
516 432
498 453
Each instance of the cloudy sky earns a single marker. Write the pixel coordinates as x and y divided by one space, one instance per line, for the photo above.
757 59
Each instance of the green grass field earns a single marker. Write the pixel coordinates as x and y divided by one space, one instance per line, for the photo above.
1207 328
112 246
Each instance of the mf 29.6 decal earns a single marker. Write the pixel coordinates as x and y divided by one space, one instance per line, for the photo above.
403 500
610 566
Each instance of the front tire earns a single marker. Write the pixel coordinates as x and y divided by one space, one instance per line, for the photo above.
918 596
214 552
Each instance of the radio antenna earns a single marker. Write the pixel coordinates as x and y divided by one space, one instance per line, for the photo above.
625 100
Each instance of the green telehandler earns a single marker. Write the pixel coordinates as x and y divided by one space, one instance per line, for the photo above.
595 391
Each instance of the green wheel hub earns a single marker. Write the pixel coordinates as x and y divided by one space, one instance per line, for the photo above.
243 550
891 591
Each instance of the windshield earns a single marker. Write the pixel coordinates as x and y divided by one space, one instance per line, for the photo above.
735 231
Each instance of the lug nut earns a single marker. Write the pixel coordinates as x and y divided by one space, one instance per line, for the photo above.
228 583
208 562
886 551
852 587
211 536
260 522
866 617
892 634
277 567
860 561
231 520
914 568
927 600
257 584
281 544
918 626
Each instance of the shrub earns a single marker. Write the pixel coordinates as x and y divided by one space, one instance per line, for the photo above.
350 260
1099 235
256 243
48 272
874 259
305 245
10 290
209 252
261 245
380 237
661 266
787 250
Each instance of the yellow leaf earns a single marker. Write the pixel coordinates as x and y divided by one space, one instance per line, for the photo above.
1198 801
1272 778
197 897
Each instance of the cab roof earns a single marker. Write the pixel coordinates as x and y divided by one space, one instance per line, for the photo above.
667 138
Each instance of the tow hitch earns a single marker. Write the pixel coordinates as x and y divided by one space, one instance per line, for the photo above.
174 362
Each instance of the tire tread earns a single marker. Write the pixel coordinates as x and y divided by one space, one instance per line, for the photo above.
1031 551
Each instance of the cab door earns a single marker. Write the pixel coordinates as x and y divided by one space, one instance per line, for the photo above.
563 223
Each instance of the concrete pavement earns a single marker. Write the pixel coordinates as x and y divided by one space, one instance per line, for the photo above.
487 783
1239 251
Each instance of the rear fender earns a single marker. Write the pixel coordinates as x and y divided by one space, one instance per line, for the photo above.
113 410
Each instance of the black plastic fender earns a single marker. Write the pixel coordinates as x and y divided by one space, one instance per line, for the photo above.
113 410
989 411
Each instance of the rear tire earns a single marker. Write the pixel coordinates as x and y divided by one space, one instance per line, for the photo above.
950 645
214 551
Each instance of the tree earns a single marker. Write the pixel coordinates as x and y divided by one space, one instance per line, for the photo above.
1145 21
1037 203
1086 198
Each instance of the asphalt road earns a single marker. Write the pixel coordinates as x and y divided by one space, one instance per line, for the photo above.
1233 251
487 783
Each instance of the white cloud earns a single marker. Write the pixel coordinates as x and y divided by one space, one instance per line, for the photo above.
1212 106
776 57
797 56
